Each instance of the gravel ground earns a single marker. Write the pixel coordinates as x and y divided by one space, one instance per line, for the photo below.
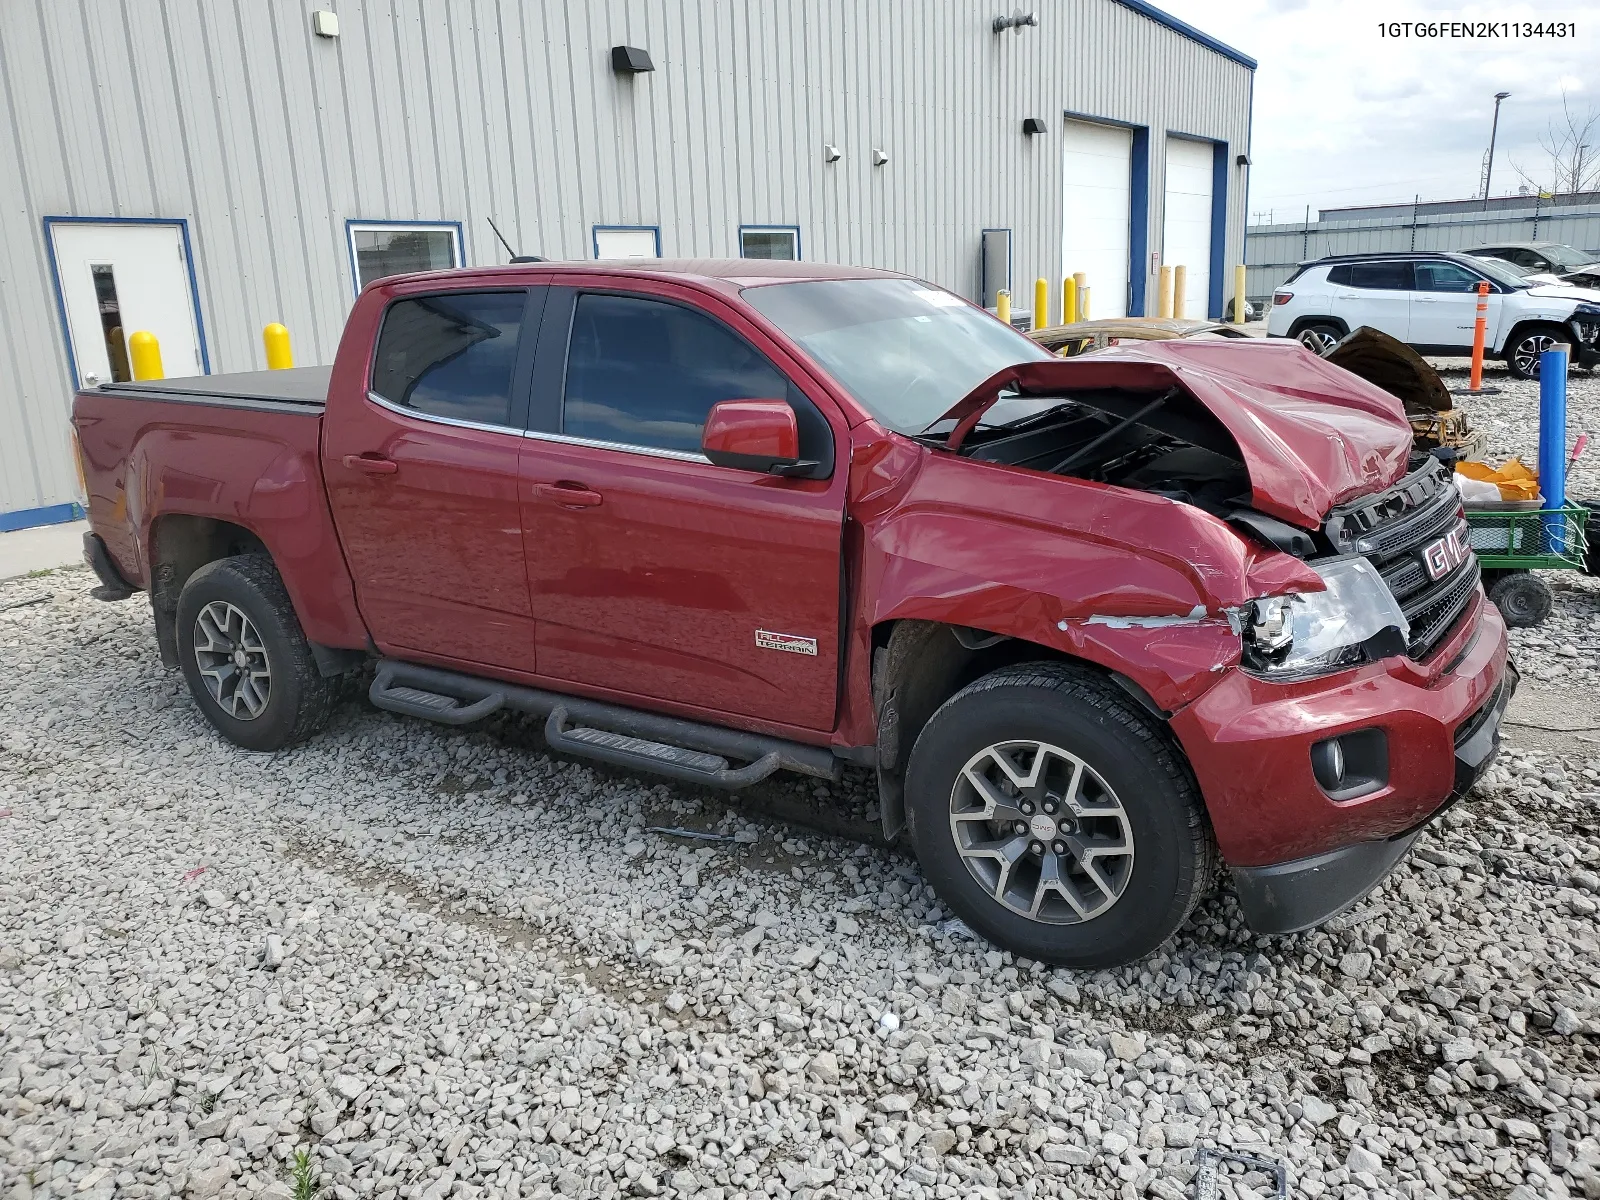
444 963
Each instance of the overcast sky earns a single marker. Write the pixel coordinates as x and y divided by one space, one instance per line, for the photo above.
1344 116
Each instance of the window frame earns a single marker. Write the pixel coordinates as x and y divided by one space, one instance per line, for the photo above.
535 299
596 230
794 229
355 225
547 406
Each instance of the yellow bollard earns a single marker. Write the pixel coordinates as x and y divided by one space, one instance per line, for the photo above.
145 352
1002 305
1180 280
276 339
1069 300
1238 294
1164 293
1083 301
1041 303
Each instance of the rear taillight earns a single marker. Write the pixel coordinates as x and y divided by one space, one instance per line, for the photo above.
1282 297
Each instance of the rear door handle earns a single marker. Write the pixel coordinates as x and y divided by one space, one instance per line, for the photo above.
371 464
571 495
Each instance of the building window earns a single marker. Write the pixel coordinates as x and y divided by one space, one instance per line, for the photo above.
378 250
769 241
627 241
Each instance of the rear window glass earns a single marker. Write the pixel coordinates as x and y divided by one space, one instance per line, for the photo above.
451 355
1390 276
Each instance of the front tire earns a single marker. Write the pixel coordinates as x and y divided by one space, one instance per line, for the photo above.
1128 852
1522 354
245 658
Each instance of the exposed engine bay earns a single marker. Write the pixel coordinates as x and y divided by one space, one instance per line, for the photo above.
1165 443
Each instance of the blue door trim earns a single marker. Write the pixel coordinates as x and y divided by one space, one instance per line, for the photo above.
1139 220
1219 229
31 518
61 302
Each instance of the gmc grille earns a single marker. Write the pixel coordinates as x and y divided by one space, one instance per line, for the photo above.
1391 530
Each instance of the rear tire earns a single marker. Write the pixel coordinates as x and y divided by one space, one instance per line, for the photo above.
1120 796
1524 600
245 658
1522 352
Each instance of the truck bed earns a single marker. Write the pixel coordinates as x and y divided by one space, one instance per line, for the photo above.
173 466
300 386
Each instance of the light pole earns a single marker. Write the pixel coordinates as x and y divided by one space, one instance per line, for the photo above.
1488 170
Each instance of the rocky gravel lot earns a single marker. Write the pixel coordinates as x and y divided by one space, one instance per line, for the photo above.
442 963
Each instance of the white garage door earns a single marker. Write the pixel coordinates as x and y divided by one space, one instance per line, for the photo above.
1099 192
1186 228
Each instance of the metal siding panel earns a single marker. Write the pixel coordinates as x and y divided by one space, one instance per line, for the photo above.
225 114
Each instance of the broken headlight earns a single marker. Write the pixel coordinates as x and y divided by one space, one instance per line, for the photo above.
1355 620
1586 323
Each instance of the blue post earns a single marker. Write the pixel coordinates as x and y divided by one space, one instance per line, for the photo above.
1553 442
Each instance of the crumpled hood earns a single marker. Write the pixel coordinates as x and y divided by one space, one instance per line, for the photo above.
1311 435
1565 291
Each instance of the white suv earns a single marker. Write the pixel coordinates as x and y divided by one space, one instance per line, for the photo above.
1429 301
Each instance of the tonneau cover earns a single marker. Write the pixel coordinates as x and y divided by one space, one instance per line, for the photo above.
295 385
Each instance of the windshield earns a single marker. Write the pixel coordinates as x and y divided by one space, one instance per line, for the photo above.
906 350
1566 258
1500 272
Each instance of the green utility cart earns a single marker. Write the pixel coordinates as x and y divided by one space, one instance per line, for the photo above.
1514 537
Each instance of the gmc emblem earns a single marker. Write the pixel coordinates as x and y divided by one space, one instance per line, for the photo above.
1445 555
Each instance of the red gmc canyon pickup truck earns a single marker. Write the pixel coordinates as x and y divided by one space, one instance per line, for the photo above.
1095 623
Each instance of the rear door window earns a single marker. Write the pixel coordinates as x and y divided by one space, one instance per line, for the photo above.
645 372
1386 276
455 355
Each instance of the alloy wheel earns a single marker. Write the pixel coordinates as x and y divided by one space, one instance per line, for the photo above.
1527 352
232 660
1041 832
1318 340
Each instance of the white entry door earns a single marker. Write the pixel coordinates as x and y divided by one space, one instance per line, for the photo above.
117 279
1186 225
627 242
1097 210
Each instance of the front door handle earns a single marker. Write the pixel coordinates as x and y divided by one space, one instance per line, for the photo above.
371 464
570 495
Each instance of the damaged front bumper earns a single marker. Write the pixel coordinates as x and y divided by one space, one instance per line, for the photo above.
1291 896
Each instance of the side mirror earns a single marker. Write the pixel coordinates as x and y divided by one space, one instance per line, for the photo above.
754 435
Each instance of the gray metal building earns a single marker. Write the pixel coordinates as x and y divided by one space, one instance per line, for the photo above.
200 168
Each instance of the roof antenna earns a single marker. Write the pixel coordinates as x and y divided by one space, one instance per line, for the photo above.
515 257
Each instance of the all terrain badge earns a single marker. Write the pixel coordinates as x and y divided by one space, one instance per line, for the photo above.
789 643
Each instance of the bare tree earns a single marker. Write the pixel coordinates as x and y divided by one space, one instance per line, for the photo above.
1572 145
